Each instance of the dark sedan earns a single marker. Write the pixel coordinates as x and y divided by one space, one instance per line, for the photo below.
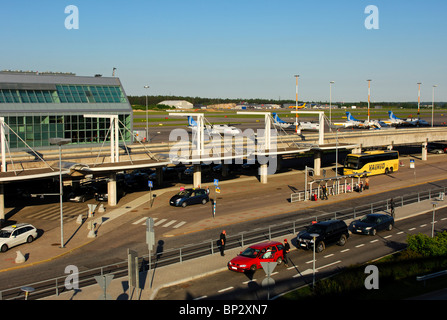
189 196
371 223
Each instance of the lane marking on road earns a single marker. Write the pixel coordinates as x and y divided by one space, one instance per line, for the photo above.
200 298
372 241
422 225
247 282
400 232
360 245
226 289
411 229
388 236
329 255
346 250
328 265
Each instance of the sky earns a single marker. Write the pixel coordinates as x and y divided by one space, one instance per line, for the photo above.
237 49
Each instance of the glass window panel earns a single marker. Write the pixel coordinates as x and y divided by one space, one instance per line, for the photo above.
8 96
15 96
24 96
39 96
2 98
47 96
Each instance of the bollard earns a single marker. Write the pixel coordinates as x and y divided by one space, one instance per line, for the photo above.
20 257
101 208
79 220
91 227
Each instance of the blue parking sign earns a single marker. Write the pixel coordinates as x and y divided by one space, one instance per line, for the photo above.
150 184
216 182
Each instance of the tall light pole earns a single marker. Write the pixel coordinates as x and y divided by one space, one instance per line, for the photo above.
369 95
433 104
60 142
296 102
147 121
314 237
419 96
330 101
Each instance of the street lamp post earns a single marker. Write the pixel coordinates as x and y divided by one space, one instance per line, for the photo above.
433 221
60 142
433 104
296 103
314 236
369 96
330 102
147 121
419 96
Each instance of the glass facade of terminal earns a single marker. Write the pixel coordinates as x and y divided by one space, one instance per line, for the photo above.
36 113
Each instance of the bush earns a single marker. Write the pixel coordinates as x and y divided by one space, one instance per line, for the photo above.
427 246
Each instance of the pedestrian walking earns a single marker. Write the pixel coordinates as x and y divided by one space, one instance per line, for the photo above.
324 196
223 242
367 183
285 251
392 207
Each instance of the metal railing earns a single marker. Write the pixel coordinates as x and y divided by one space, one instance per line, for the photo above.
160 258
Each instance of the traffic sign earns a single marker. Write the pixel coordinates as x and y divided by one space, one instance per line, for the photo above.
268 267
104 282
217 190
216 182
150 184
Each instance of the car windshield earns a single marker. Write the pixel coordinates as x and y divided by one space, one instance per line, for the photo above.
250 253
184 193
315 228
368 219
5 234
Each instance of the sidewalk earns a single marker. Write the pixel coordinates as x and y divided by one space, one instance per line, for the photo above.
46 249
197 268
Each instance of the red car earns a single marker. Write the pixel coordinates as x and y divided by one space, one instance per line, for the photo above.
250 259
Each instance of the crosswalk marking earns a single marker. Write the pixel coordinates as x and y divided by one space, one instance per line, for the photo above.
139 221
179 225
169 223
161 222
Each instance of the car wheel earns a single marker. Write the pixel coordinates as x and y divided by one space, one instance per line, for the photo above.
390 227
4 248
320 247
204 201
29 239
279 261
373 232
342 240
387 171
184 204
253 268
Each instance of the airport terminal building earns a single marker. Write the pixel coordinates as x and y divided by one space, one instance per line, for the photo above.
40 106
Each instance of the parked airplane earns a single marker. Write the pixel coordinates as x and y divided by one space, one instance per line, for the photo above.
303 125
352 122
395 121
215 129
302 106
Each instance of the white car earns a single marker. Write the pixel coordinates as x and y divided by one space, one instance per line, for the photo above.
14 235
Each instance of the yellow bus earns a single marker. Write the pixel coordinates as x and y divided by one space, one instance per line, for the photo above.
374 162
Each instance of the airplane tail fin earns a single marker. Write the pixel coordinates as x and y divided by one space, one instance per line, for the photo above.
276 118
350 117
391 115
191 122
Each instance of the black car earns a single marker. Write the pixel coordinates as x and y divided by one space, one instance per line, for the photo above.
189 196
329 232
371 223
